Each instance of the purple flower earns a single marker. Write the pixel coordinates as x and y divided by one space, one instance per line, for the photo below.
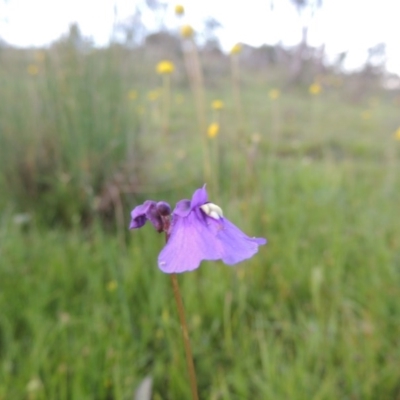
197 231
150 210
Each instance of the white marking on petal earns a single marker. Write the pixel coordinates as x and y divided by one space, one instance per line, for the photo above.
212 210
214 214
162 263
205 208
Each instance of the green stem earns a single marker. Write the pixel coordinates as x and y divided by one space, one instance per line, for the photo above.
166 103
186 340
196 80
236 91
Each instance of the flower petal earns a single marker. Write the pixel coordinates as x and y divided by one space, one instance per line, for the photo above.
149 210
236 245
182 208
139 214
191 241
199 198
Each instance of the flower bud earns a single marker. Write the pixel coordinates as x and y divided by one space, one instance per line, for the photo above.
163 208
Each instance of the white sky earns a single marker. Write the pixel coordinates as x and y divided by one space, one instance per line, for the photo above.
343 25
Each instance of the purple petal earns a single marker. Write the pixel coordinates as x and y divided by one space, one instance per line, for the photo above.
191 241
199 198
139 214
149 210
182 208
199 237
236 245
163 208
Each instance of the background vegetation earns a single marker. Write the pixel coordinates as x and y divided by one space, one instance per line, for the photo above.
87 134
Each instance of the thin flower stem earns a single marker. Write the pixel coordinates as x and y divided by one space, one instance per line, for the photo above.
186 340
166 103
195 74
236 91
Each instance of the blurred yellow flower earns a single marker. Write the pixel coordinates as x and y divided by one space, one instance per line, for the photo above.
165 67
64 318
366 115
112 285
187 31
179 98
217 105
236 49
132 94
40 55
153 95
274 94
315 89
179 9
397 134
165 316
34 385
213 130
33 69
196 320
256 138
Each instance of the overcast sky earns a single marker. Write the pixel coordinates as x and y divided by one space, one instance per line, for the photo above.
343 25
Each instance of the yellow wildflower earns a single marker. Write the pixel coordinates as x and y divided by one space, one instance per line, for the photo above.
34 385
236 49
112 285
274 94
33 69
132 95
187 31
397 134
315 89
217 105
196 320
213 130
256 138
40 56
366 115
64 318
165 316
179 9
153 95
165 67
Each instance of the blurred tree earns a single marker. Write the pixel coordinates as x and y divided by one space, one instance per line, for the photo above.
211 26
306 10
74 39
133 30
377 56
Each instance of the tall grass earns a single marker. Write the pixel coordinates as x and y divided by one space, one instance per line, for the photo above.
87 314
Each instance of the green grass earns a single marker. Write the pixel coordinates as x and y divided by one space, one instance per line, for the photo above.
85 312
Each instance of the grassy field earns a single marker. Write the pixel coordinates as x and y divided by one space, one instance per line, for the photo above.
85 312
